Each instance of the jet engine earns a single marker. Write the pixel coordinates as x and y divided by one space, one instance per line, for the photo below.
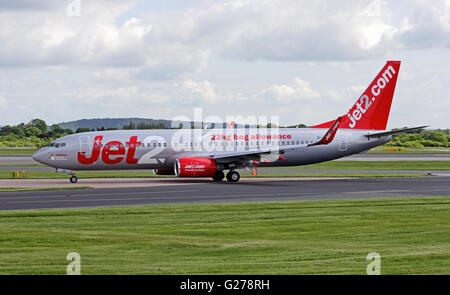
195 167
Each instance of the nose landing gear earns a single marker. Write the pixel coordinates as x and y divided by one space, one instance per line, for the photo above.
73 179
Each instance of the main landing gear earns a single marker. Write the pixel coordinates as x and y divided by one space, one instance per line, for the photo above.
232 176
219 176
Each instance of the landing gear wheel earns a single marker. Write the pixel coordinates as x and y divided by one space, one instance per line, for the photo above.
219 176
73 179
233 176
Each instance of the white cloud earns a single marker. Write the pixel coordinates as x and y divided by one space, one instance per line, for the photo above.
181 41
50 37
299 90
192 92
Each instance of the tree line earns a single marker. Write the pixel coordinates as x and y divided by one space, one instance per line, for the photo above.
421 139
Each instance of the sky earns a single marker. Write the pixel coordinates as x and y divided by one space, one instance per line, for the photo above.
304 61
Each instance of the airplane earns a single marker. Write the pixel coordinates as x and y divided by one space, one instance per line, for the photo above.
211 152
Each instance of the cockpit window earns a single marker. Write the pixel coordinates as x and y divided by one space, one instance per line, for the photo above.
57 144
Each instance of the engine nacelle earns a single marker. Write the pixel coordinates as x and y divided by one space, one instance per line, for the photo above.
195 167
163 171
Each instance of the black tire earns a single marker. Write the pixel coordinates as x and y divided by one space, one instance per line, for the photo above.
73 179
219 176
233 176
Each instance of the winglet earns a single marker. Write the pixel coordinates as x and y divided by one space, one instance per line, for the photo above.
329 136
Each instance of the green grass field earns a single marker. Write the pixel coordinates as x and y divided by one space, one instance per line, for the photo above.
412 235
22 165
17 151
426 150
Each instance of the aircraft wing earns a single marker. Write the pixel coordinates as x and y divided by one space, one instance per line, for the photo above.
386 133
326 139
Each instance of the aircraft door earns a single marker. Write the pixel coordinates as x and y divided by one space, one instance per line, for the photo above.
85 145
343 142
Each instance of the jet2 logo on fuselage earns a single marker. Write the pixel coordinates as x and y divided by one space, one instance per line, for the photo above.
112 148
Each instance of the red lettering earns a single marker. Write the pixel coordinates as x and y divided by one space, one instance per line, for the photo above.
132 149
94 154
107 152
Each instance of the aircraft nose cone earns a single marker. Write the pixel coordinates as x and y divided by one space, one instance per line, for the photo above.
39 156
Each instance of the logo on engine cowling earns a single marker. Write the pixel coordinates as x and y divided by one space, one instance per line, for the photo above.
193 167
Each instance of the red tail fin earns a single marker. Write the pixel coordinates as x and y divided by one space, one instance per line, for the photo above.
371 110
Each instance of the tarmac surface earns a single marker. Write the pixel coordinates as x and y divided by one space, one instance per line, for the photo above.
158 191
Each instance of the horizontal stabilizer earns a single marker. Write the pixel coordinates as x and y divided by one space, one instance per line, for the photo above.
381 134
